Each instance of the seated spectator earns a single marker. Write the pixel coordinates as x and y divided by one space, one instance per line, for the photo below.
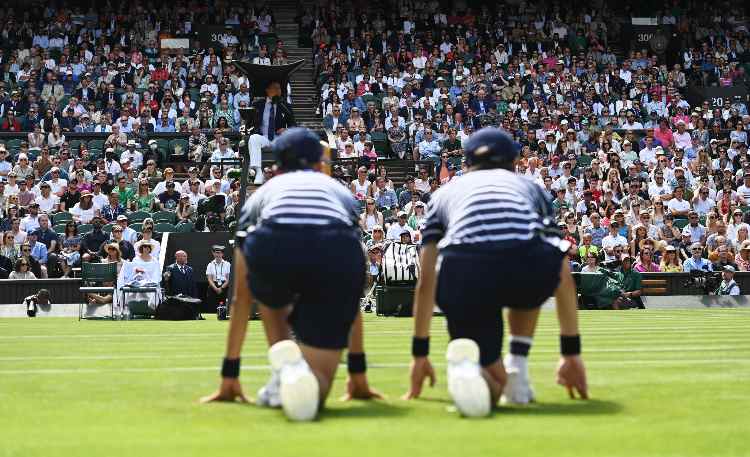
401 226
170 198
670 263
125 247
370 217
696 261
38 251
147 238
185 210
613 240
113 208
645 263
22 270
724 258
630 281
592 265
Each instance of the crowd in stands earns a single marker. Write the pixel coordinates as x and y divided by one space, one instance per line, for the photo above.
66 72
635 170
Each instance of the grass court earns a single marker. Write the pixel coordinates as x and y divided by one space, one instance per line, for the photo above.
663 383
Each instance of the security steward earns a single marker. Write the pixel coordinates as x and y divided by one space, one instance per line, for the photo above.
728 285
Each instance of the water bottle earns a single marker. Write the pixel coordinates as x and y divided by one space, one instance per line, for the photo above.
221 311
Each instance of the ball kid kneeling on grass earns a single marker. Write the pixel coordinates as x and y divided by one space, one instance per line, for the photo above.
302 260
472 228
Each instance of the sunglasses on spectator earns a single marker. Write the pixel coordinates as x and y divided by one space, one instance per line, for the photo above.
24 264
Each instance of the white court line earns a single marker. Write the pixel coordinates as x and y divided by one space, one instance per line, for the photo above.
663 362
592 331
405 352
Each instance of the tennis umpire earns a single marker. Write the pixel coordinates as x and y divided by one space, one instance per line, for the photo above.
303 261
475 230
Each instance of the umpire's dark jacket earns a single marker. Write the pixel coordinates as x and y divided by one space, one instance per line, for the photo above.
284 114
177 282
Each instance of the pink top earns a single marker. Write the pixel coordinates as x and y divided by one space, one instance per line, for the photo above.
646 268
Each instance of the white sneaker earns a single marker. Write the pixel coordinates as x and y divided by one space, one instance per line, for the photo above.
270 394
299 391
518 389
467 387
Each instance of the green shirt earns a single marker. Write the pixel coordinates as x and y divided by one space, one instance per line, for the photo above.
630 280
126 195
144 203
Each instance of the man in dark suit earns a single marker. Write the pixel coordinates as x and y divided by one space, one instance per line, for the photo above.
178 277
273 114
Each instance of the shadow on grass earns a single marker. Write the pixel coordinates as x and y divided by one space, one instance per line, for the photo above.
364 409
573 407
433 400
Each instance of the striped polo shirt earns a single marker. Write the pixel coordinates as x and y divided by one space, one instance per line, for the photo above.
301 198
496 207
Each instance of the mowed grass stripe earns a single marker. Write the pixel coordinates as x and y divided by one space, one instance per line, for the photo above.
655 393
376 365
538 349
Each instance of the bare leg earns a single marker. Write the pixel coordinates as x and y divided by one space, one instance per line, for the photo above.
275 323
323 363
496 378
566 297
523 322
100 299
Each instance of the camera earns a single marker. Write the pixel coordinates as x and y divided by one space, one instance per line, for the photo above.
708 281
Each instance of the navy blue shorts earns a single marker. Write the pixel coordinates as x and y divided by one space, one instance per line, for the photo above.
476 282
318 270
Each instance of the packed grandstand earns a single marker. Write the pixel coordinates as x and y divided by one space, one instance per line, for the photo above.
107 134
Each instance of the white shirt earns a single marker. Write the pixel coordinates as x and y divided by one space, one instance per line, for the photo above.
744 191
609 242
422 185
702 207
46 204
675 205
647 156
135 157
29 223
219 271
655 190
84 215
395 231
57 185
99 201
130 235
155 244
112 167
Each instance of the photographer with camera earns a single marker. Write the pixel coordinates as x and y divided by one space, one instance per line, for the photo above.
728 285
217 274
